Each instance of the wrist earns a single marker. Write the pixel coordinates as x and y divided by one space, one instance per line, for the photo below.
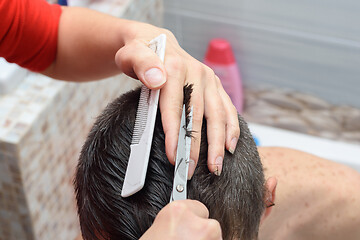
134 30
131 30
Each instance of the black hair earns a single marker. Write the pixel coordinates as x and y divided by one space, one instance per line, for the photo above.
235 199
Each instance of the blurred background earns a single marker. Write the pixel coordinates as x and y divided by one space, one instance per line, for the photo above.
297 77
309 46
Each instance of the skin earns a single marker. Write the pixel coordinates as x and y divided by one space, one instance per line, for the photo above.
184 219
316 198
92 45
181 220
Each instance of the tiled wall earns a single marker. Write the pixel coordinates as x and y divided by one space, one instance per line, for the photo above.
43 124
309 46
38 157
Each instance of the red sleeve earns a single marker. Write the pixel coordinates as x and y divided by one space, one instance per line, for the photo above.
28 32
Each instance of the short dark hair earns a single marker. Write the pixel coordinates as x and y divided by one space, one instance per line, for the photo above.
235 199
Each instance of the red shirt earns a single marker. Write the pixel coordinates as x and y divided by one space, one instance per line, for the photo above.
28 32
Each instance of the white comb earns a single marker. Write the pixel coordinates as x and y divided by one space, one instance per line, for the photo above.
143 130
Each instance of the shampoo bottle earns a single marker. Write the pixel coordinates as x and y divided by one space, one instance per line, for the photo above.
220 58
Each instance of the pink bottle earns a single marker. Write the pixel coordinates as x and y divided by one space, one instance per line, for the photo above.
220 58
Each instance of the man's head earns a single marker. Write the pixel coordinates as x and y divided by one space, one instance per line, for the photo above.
236 198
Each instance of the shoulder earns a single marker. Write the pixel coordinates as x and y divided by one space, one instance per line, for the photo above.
315 199
28 32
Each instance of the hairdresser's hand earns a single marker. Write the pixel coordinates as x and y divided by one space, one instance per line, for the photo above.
208 98
184 219
87 43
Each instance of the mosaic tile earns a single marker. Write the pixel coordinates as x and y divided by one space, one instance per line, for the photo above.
43 124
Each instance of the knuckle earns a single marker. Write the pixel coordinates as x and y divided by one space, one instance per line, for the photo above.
172 211
219 115
209 71
177 207
213 102
197 119
168 32
175 65
121 54
170 110
218 79
198 67
232 114
218 83
234 110
211 75
232 131
236 130
171 214
212 226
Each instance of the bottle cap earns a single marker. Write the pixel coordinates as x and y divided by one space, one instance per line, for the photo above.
219 51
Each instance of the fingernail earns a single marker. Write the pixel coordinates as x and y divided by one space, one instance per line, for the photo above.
154 77
218 164
233 144
191 169
174 158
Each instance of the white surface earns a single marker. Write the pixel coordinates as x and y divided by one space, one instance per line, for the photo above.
140 150
10 76
345 153
311 46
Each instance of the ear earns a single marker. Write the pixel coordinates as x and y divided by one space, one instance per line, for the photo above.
269 200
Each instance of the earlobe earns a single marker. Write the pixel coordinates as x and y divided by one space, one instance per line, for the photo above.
269 200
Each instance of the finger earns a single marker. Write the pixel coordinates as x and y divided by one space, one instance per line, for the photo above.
215 118
213 229
197 102
232 120
196 207
171 102
137 60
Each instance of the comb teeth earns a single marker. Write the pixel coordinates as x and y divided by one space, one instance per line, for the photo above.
141 115
143 131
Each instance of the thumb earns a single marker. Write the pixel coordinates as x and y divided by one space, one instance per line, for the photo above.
137 60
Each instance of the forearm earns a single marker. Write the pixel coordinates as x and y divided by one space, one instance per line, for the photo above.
87 44
92 45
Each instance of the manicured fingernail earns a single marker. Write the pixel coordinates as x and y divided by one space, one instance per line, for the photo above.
233 144
191 169
218 164
154 77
